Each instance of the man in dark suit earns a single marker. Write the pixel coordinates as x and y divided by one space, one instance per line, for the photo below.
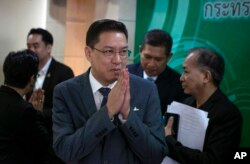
155 52
23 137
51 72
126 127
203 73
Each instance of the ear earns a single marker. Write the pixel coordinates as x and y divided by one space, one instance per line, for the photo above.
169 56
88 53
140 48
207 76
49 48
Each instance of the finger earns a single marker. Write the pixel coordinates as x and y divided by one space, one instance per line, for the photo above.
170 122
123 82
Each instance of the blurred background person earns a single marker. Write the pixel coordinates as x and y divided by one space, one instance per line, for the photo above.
203 73
23 136
51 73
155 52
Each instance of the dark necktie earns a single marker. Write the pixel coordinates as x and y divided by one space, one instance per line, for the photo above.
105 92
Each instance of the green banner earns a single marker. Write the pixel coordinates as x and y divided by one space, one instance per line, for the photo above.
220 25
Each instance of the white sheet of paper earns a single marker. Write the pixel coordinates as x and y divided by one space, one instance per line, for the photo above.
168 160
193 123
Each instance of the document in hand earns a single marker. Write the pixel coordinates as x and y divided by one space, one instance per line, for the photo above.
193 123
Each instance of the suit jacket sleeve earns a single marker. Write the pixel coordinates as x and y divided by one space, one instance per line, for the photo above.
144 133
222 139
76 138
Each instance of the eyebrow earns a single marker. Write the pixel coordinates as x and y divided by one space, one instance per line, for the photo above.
113 47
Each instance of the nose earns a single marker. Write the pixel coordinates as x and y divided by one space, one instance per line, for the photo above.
32 48
116 58
151 63
181 78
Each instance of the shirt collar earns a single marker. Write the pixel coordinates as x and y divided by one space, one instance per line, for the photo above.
145 76
96 85
45 68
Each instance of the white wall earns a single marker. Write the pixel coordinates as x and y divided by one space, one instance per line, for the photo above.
17 17
122 10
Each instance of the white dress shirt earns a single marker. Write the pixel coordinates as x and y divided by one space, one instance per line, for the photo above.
95 85
42 74
145 76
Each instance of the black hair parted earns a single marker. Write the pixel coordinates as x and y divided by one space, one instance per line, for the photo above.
103 25
211 60
158 38
19 67
47 37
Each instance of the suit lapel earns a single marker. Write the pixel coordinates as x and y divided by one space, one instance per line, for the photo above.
139 71
47 80
86 94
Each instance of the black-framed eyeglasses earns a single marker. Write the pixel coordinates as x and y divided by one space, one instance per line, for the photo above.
110 53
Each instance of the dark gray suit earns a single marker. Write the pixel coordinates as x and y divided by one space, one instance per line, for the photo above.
83 134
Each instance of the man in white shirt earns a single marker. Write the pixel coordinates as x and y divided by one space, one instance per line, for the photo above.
51 72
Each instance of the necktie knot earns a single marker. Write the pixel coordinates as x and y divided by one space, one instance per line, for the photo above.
104 92
150 79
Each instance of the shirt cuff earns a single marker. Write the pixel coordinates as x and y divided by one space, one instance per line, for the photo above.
121 119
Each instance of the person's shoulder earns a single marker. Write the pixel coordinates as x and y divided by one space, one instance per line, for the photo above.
224 107
60 70
140 82
133 66
75 81
61 65
171 72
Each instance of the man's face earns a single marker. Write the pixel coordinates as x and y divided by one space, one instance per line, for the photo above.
106 69
153 59
193 77
35 44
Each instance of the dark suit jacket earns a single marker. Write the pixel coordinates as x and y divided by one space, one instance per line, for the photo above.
83 134
168 85
222 136
23 138
57 73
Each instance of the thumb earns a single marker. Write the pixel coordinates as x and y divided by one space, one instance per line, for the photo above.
170 122
168 127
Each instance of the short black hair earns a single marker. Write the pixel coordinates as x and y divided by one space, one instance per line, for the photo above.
157 38
103 25
210 60
19 67
47 37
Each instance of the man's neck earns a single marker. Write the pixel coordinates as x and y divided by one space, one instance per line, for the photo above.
204 95
20 91
43 62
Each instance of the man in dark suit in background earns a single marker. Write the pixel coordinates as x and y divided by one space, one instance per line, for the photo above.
203 73
155 52
23 136
51 72
92 126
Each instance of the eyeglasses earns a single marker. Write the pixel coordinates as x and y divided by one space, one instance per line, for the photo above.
110 53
